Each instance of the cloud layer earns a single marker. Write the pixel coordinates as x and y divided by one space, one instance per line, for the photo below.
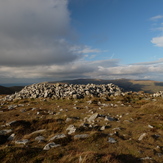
33 32
35 45
103 69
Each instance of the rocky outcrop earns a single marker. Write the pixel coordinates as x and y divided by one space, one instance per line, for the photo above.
58 91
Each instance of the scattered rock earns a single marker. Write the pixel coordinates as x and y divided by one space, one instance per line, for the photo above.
59 136
92 117
111 140
108 118
10 123
11 137
71 129
150 126
50 145
102 128
146 158
4 132
23 141
40 138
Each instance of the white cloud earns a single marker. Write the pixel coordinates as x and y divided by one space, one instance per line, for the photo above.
156 62
83 49
89 50
104 69
35 45
158 41
158 26
155 18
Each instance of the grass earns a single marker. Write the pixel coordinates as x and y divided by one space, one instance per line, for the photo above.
133 119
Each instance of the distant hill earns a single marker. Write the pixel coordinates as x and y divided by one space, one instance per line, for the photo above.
148 86
10 90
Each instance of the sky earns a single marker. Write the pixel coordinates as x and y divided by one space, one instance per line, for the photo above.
56 40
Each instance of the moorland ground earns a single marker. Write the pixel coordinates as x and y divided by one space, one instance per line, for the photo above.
114 129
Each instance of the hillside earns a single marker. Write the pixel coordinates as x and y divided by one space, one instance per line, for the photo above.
46 123
147 86
10 90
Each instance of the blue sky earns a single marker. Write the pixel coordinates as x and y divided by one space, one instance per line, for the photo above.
69 39
120 29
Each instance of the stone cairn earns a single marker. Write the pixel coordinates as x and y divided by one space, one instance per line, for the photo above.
62 91
158 94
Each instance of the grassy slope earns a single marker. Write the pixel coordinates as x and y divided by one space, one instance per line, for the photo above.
134 117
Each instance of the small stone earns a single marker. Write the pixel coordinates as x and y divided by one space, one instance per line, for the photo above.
4 132
10 123
23 141
150 126
71 129
40 138
108 118
33 109
146 158
142 136
92 117
11 137
102 128
68 119
50 145
59 136
82 136
111 140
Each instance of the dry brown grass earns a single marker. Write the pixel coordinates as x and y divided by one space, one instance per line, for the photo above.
134 118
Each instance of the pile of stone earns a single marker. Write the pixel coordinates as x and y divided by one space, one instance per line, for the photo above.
158 94
57 91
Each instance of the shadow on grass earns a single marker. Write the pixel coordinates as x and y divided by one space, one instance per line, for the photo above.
127 158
